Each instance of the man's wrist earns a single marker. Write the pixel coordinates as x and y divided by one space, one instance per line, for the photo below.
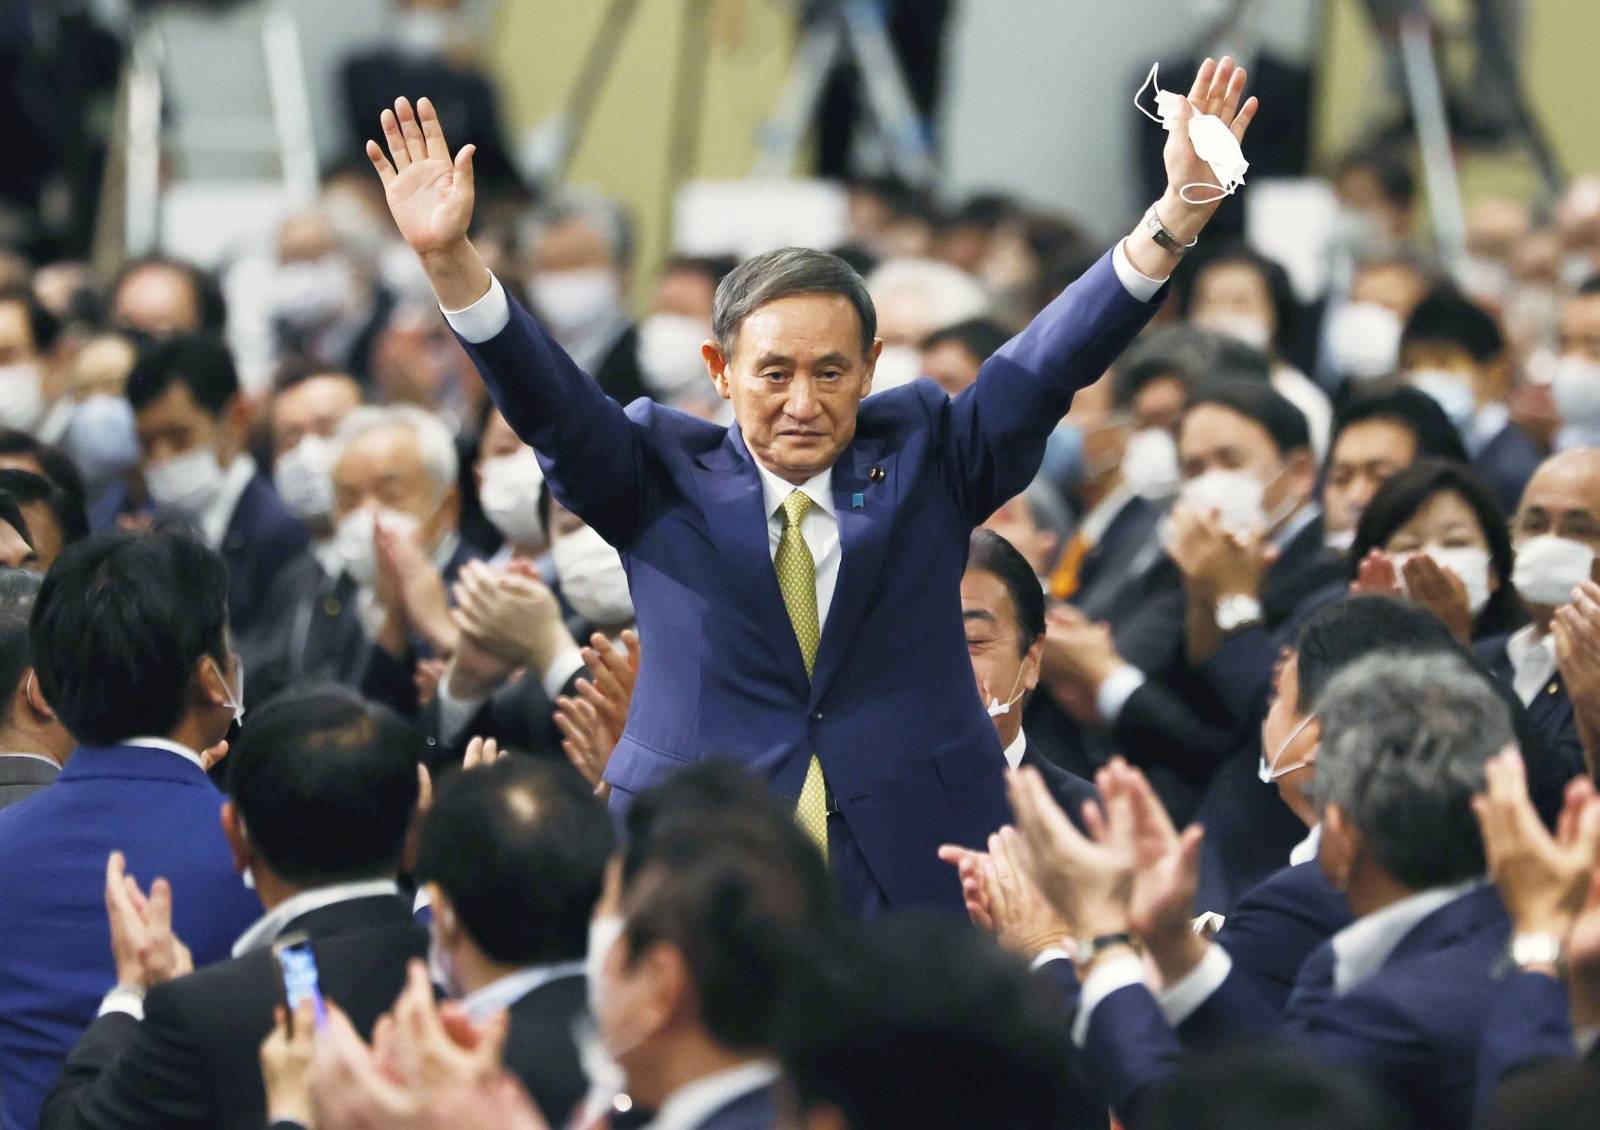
1176 952
1182 220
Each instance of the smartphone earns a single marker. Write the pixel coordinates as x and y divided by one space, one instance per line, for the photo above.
300 982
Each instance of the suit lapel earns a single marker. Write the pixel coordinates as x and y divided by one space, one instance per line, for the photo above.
865 489
736 519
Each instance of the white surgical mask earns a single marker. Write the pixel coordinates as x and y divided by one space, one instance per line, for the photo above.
996 708
578 302
1270 769
101 437
1236 496
303 476
1253 331
592 577
1469 563
897 365
1450 391
605 930
1575 388
21 395
1549 567
185 484
357 550
1213 142
1150 464
510 495
669 354
1340 541
1364 340
311 291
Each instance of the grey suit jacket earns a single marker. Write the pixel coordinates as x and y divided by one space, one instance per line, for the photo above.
21 777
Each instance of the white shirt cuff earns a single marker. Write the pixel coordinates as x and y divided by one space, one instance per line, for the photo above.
454 713
1140 285
1045 956
1180 1001
1115 690
561 669
129 1002
492 313
1105 978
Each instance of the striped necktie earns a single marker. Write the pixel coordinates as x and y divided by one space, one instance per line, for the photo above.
797 581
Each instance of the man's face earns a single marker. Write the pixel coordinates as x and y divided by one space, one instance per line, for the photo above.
796 378
1448 357
1214 438
315 406
15 552
685 292
498 439
1014 522
951 365
16 335
1394 286
382 469
1234 290
173 424
156 300
1364 457
571 245
46 531
1580 327
1289 740
1003 668
1159 404
1562 498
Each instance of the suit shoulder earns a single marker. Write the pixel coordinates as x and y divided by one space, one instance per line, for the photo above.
263 513
916 404
672 427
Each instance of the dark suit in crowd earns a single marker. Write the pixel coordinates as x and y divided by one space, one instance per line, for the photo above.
194 1060
21 777
1506 463
1550 712
1277 924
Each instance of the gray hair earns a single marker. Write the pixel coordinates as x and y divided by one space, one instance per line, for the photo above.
435 444
785 273
946 294
602 213
18 588
1404 741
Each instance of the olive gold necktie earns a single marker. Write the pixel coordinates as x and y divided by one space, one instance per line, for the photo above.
797 581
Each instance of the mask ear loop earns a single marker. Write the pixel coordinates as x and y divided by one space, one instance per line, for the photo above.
1149 79
1221 193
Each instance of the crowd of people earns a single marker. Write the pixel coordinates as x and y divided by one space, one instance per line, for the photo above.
1274 709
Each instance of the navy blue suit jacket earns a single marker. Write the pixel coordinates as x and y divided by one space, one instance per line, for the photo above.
891 709
1506 463
1278 924
1550 712
1414 1026
161 812
1529 1023
1069 790
754 1110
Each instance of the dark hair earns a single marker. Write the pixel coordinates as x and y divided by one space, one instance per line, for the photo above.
996 556
978 336
65 507
1267 1090
1282 421
57 465
1403 494
11 515
18 587
785 273
1196 357
326 784
119 625
714 268
1412 409
202 365
209 302
1588 287
520 848
959 1025
1446 316
733 892
42 325
1280 292
1353 627
295 371
1389 168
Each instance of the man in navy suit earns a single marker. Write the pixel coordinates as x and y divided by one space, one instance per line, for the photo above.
132 651
192 432
796 576
1400 994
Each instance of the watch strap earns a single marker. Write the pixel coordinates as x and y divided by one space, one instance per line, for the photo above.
1087 951
1164 238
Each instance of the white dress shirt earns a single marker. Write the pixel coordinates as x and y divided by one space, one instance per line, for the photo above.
178 748
693 1103
482 1003
1016 749
213 521
1533 662
269 926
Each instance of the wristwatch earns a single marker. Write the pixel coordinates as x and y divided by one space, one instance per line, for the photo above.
1536 949
1086 951
1164 239
1237 611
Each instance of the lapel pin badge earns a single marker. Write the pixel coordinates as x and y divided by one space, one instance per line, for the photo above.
876 474
857 500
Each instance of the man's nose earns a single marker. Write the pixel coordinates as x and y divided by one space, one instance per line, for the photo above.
802 404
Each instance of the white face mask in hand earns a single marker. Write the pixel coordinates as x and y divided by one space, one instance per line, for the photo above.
509 495
592 577
1213 141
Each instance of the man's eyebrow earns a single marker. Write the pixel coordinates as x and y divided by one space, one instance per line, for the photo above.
979 614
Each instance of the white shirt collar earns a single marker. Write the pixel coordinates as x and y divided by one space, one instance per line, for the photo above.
178 748
1306 850
508 990
1362 948
1100 516
1489 421
693 1103
214 521
1016 749
30 756
1295 523
271 924
818 488
1520 643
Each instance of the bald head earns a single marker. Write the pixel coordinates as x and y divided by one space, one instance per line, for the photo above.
1563 498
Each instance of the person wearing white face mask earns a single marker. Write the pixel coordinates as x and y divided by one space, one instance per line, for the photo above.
27 331
1361 338
1575 383
509 489
915 299
306 410
590 572
1453 351
191 421
513 856
678 324
579 250
323 299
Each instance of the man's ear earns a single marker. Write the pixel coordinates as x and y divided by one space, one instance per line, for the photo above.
209 681
1032 662
717 367
872 364
1303 470
445 918
1341 843
238 842
33 698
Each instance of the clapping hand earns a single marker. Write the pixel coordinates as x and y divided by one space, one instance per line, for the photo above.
513 615
1423 581
286 1058
1214 561
1575 629
415 586
1087 879
1002 899
1079 656
592 722
482 752
143 946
